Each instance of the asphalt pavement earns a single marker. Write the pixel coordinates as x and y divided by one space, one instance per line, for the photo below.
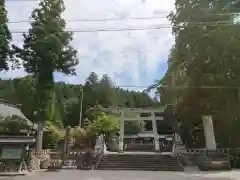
126 175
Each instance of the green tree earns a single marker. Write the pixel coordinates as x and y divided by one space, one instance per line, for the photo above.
90 90
5 38
134 127
53 133
105 124
106 91
205 53
46 50
95 112
92 79
22 91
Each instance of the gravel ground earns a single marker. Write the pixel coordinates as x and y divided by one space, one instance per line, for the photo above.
127 175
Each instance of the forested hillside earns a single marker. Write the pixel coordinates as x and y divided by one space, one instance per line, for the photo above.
96 91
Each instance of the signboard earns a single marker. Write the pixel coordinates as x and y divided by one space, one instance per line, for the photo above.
11 153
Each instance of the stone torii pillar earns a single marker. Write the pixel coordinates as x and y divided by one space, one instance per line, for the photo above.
121 138
209 133
155 132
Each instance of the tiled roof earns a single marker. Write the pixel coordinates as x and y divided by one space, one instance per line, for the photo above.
9 109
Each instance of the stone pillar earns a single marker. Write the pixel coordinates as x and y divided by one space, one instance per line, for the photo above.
209 133
66 146
154 125
121 138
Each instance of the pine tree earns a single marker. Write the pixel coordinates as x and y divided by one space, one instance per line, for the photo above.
46 50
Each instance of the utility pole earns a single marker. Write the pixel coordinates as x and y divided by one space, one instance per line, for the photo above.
81 103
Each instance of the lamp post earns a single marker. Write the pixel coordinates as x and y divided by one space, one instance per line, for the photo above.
81 103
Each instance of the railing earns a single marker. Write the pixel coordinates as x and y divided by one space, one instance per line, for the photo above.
201 151
76 156
173 148
55 160
40 155
98 161
100 145
99 150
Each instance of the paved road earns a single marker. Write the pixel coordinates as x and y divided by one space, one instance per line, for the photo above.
127 175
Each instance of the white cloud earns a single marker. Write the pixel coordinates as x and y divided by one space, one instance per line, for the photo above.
128 56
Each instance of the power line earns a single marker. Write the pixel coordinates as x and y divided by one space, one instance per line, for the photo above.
110 19
101 30
182 87
155 27
224 14
117 19
199 87
22 0
179 87
97 20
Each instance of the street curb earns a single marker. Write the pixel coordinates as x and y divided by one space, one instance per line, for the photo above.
12 174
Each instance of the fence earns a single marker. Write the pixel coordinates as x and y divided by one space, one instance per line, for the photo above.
191 152
75 157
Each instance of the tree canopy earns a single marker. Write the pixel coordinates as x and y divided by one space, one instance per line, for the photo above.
203 65
46 49
5 38
67 98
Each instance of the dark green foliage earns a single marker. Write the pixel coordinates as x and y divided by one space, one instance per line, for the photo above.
67 108
205 53
5 38
46 46
46 50
133 127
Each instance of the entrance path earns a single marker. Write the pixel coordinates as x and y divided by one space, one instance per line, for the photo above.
128 175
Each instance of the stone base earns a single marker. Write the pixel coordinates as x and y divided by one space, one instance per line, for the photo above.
68 164
69 167
214 160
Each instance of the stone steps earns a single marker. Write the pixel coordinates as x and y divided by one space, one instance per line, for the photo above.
147 162
141 169
140 147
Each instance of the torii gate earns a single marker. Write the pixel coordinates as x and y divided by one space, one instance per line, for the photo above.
125 115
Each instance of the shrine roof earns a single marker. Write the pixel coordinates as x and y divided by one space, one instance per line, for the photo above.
10 109
17 139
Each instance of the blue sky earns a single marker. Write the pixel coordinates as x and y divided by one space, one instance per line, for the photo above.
129 57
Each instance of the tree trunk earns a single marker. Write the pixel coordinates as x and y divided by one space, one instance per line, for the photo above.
39 140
